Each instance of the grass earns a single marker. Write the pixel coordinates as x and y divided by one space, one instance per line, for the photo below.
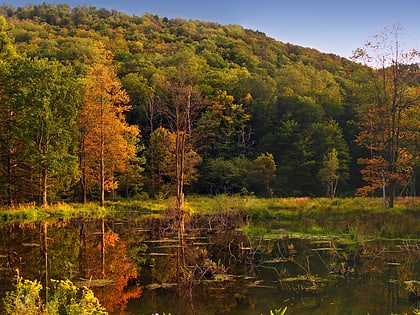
349 217
31 213
353 218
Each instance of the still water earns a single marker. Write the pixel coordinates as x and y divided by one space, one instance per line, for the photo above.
145 266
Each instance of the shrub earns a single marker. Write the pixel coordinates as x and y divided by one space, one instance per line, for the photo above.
64 298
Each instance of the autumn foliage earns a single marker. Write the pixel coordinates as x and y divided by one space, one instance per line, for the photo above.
107 143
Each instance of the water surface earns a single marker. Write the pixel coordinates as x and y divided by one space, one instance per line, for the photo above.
140 266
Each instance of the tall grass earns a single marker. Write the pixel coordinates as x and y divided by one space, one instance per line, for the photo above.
348 217
340 216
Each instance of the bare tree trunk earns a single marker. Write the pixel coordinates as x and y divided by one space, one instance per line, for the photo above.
10 200
82 161
102 158
83 183
383 191
44 179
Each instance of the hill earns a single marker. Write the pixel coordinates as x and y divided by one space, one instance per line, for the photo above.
258 100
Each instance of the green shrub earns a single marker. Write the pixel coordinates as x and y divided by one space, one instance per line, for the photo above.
63 298
25 300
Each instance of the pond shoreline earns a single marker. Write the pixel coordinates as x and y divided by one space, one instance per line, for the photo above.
247 255
347 217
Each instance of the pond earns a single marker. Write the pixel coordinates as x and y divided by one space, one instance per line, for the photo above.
146 266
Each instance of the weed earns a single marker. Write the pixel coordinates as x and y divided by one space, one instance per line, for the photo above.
64 297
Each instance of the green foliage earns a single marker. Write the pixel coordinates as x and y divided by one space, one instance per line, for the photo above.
68 299
278 311
230 176
258 95
63 298
42 101
25 299
328 172
7 50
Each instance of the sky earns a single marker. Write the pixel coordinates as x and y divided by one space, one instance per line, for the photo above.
330 26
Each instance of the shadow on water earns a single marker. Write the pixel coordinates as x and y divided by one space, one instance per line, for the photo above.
133 266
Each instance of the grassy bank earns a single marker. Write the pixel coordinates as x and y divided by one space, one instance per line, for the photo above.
30 212
349 217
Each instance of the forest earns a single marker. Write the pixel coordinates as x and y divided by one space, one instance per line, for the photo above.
97 104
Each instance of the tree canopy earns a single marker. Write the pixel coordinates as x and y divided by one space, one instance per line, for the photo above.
237 111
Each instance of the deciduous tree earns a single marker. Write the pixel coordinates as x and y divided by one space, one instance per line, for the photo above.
105 147
264 171
43 102
328 173
183 105
384 128
8 131
161 159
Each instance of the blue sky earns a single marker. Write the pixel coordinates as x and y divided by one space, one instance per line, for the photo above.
330 26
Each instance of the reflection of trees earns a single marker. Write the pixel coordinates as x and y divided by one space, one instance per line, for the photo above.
104 253
68 249
22 248
74 250
208 298
203 286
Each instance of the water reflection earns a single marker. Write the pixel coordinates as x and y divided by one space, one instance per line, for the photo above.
84 251
134 267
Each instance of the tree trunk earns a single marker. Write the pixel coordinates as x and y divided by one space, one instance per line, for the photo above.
383 191
180 157
10 200
391 193
44 179
102 158
83 180
102 178
84 188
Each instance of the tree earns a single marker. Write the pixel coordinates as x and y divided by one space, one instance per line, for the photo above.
105 147
384 120
131 180
227 176
161 158
264 169
43 97
8 136
145 101
184 103
328 172
7 49
221 129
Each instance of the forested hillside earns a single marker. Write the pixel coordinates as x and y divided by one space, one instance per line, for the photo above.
97 104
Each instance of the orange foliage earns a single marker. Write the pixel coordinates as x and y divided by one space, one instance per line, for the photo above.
103 126
120 271
375 171
372 174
